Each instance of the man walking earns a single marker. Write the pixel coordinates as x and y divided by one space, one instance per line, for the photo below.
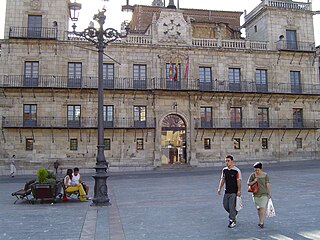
231 176
12 166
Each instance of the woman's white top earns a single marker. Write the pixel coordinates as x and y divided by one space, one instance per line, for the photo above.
67 181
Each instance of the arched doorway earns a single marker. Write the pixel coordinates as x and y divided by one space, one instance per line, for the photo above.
173 140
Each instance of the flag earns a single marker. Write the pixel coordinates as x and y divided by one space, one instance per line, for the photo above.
186 73
176 70
170 70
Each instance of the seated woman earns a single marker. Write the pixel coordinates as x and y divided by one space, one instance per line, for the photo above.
73 187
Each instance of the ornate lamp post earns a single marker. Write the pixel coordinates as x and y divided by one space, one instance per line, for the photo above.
100 38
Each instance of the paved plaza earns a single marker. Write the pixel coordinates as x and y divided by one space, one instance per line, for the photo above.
169 205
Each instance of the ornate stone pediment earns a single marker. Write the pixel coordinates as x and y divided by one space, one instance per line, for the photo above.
172 28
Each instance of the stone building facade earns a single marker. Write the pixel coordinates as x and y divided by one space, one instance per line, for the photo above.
184 88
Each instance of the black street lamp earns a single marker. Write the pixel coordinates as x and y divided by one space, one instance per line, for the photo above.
100 38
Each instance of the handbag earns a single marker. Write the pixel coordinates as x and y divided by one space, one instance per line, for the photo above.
253 188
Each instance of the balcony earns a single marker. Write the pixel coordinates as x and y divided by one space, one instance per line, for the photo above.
33 33
83 122
218 85
225 123
284 45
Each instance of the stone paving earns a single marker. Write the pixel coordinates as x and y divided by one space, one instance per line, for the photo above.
169 205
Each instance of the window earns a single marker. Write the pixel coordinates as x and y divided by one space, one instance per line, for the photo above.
255 28
205 78
74 114
236 117
107 144
139 76
207 143
139 143
108 75
34 26
236 143
299 142
234 79
295 82
29 115
297 117
31 74
206 117
263 117
73 144
291 39
264 143
29 144
74 74
108 113
139 116
261 80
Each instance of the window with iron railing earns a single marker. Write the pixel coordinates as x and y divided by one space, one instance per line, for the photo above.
295 82
139 76
74 115
31 74
29 115
206 117
236 117
297 117
108 75
234 79
261 80
263 117
74 75
108 115
205 78
34 26
140 116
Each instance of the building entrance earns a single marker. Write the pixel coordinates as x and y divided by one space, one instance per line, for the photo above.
173 140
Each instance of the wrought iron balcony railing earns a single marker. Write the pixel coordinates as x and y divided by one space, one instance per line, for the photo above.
218 85
226 123
83 122
33 32
296 46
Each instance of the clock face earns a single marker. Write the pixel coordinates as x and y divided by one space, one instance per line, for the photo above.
172 28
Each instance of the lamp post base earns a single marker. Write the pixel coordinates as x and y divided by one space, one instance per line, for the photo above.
100 187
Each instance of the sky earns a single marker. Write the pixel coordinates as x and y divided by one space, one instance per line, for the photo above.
115 16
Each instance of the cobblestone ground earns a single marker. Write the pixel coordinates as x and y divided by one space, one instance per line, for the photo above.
169 205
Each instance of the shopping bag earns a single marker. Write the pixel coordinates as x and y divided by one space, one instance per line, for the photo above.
239 204
270 212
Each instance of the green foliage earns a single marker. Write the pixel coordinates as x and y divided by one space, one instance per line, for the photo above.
51 175
42 175
51 181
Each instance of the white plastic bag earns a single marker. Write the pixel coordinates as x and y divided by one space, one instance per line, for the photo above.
239 204
270 212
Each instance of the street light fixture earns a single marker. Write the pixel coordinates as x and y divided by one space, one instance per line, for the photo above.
100 38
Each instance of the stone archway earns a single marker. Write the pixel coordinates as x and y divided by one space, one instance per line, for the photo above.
173 140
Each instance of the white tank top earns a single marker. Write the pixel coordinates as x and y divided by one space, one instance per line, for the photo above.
75 179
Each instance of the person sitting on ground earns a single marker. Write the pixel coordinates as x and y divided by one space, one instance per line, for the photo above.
76 179
70 187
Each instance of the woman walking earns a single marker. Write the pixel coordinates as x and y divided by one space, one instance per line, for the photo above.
262 196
